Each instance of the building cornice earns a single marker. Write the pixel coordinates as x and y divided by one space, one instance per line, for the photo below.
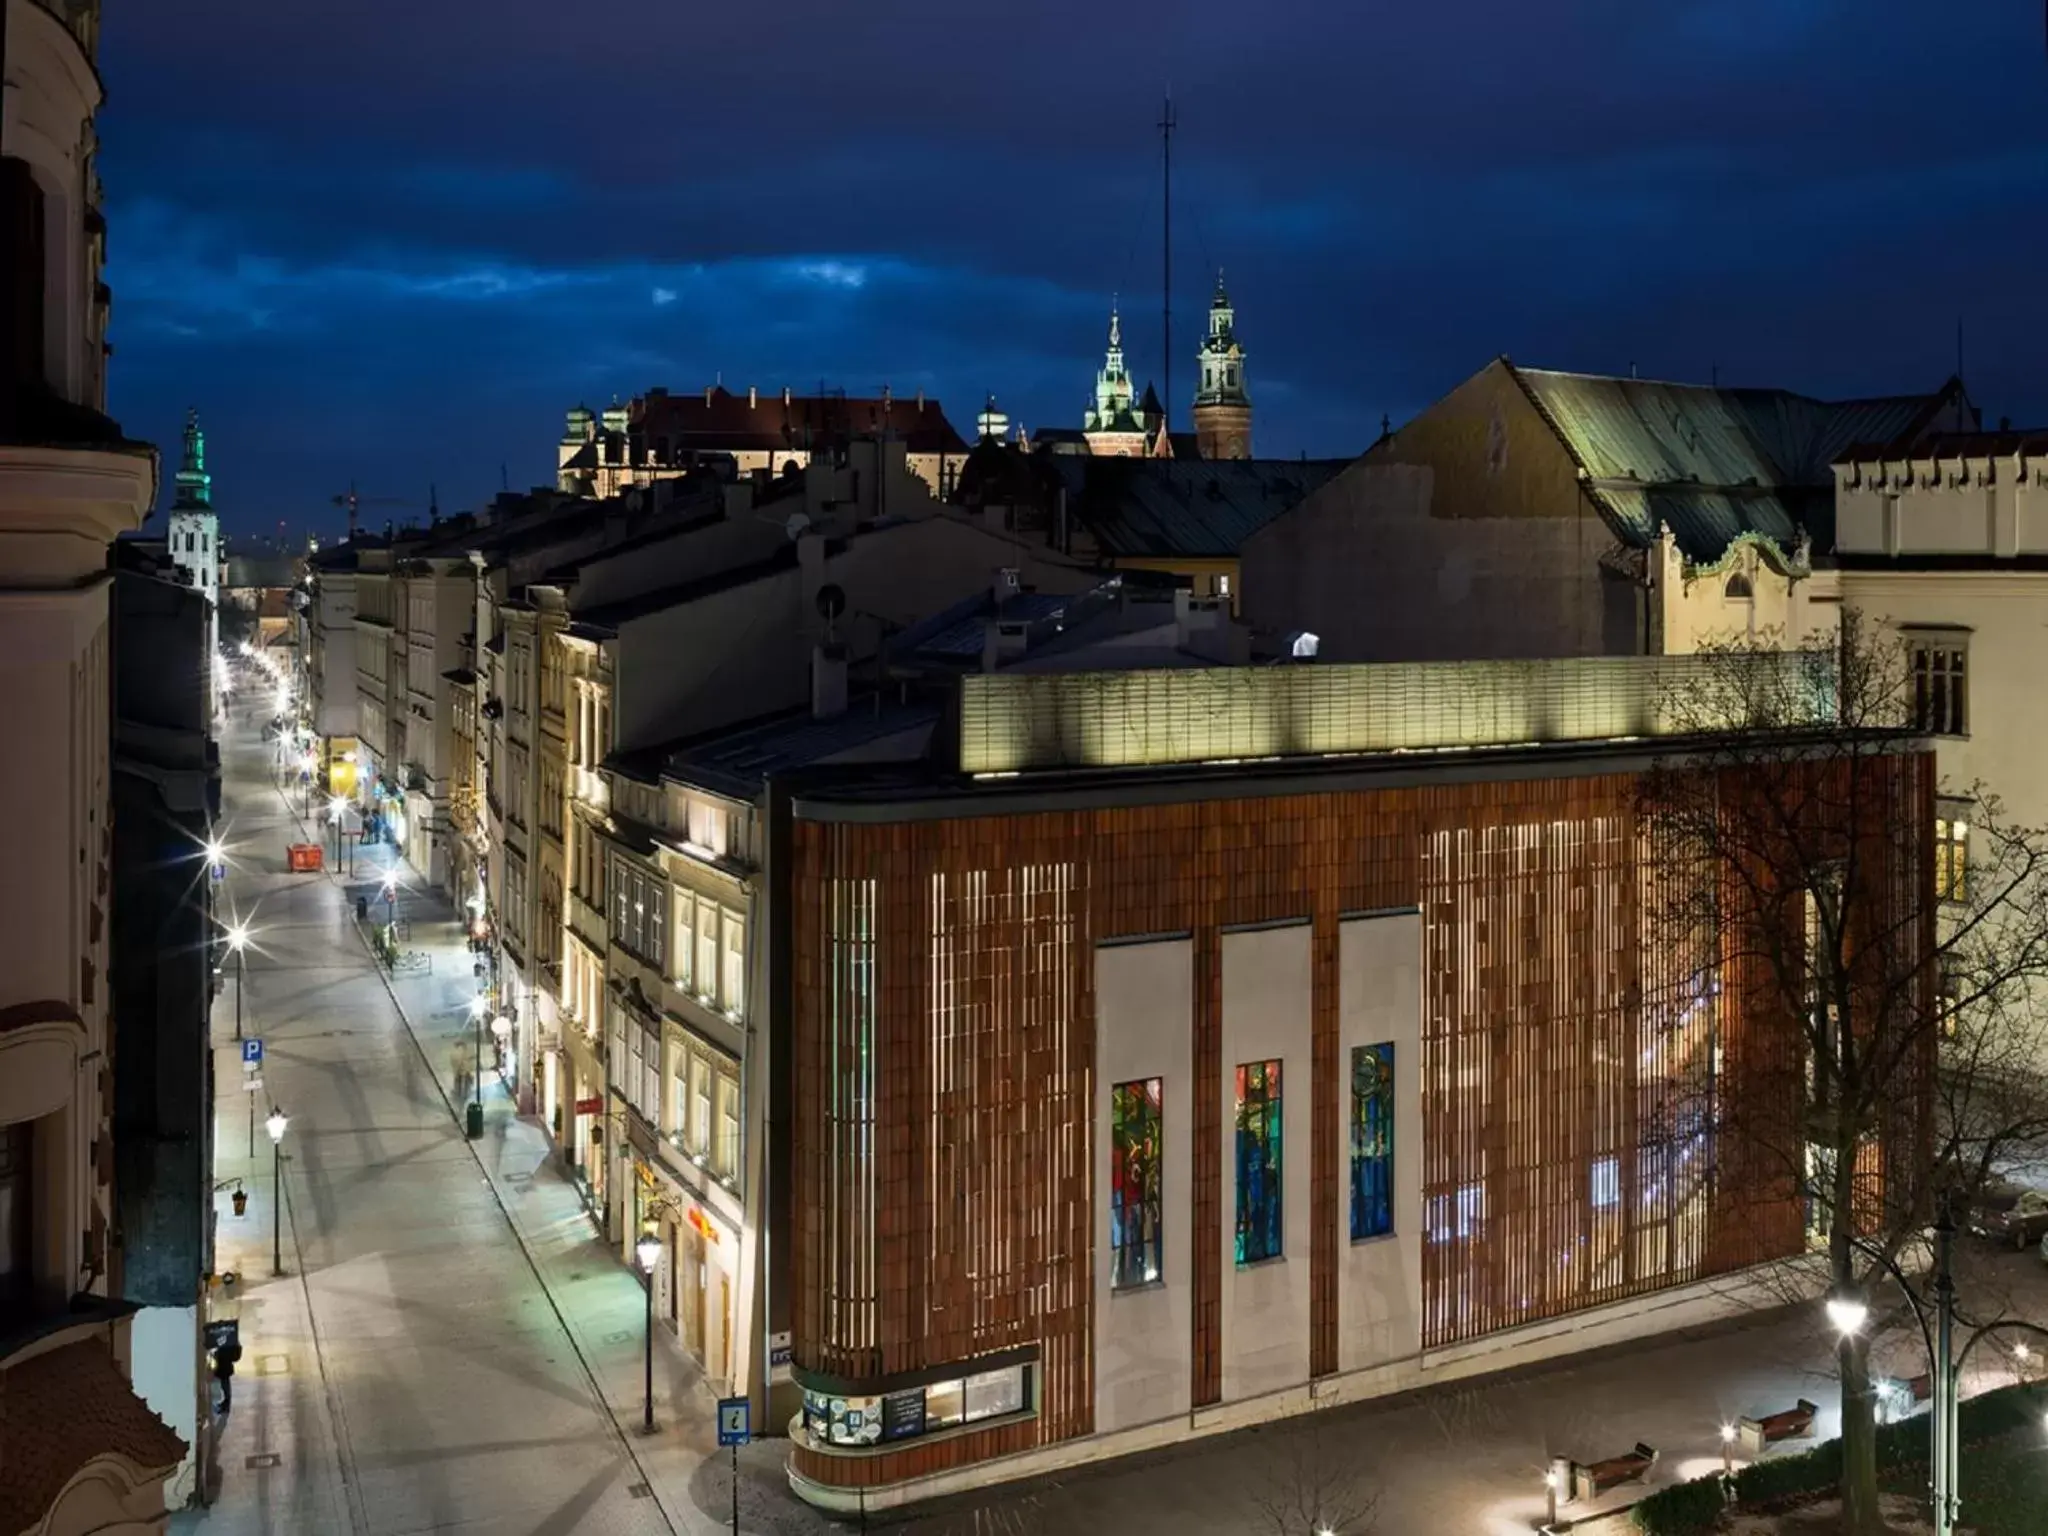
61 507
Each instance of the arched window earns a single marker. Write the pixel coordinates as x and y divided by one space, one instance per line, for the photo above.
1738 589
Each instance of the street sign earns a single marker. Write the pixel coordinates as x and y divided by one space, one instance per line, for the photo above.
734 1419
253 1083
252 1053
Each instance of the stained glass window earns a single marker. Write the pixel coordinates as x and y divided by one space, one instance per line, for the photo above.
1258 1161
1372 1141
1134 1142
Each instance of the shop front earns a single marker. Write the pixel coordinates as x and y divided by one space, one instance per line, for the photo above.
698 1284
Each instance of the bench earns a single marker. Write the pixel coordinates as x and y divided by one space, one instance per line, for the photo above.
1795 1423
1590 1481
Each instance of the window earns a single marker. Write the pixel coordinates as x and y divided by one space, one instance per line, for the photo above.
1136 1257
1372 1141
1940 686
686 939
707 950
1457 1216
1951 858
700 1107
1948 999
917 1410
1258 1162
725 1159
735 978
1606 1182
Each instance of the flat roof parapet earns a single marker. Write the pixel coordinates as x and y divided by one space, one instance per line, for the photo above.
1012 722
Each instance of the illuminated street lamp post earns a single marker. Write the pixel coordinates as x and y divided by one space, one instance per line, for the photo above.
1848 1312
648 1251
335 807
276 1126
238 942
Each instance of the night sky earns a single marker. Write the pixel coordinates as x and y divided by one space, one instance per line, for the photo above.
391 241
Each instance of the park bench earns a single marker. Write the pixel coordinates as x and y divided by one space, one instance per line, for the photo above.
1794 1423
1590 1481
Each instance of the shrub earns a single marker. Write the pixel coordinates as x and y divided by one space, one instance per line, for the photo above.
1782 1477
1683 1509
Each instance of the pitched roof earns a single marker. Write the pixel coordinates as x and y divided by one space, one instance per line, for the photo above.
718 421
1171 508
1713 463
60 1411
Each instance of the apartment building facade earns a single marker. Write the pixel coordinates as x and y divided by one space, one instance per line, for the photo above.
82 1450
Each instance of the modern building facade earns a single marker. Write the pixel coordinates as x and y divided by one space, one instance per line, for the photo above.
81 1448
1178 1050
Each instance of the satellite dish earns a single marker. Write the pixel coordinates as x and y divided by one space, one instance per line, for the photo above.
798 525
831 601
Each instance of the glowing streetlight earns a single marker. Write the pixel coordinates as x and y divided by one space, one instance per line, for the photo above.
238 945
276 1124
1847 1311
1727 1450
479 1006
648 1251
1550 1485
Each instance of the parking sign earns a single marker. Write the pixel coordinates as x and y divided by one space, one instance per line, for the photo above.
734 1420
252 1054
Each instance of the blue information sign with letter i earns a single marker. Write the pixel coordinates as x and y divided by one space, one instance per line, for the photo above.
734 1419
252 1052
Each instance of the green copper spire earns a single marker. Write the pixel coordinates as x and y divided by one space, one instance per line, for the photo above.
194 484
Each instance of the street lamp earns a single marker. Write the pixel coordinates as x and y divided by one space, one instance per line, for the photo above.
648 1251
276 1126
478 1007
1550 1482
1727 1450
238 943
1847 1311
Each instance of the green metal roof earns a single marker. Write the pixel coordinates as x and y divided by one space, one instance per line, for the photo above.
1712 463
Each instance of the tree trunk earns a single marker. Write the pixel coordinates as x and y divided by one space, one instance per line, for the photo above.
1860 1512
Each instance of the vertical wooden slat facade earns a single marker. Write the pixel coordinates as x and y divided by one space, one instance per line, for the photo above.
1570 1156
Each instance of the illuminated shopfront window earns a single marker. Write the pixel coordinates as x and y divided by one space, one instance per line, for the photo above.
948 1404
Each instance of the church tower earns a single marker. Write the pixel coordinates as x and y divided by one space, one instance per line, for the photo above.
195 536
1112 427
1223 410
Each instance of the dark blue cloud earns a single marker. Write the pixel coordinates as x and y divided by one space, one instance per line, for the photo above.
389 243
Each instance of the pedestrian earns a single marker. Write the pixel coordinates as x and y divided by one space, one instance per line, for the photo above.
224 1358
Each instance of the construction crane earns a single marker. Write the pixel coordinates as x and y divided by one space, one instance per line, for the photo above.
354 503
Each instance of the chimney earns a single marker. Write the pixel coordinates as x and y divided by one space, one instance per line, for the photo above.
785 394
753 398
707 393
828 681
920 402
1003 640
1009 583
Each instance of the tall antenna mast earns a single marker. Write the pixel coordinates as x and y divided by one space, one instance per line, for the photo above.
1167 123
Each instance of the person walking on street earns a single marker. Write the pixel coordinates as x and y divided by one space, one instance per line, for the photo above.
224 1358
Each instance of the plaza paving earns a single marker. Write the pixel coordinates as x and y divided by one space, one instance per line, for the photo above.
452 1348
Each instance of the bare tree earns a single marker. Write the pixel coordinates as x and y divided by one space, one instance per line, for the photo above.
1887 987
1311 1482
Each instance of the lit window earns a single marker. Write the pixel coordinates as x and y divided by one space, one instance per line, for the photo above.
1940 686
1951 858
1372 1141
1258 1162
735 978
1606 1182
1948 999
1136 1256
707 949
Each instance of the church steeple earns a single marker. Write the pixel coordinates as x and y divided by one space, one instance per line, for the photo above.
1114 398
1223 406
194 486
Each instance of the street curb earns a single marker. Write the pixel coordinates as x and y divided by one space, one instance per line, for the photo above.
619 1430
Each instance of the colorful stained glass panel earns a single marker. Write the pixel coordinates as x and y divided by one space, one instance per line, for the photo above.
1136 1256
1372 1141
1258 1162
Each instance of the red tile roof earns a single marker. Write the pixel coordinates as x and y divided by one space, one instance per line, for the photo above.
59 1411
719 421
